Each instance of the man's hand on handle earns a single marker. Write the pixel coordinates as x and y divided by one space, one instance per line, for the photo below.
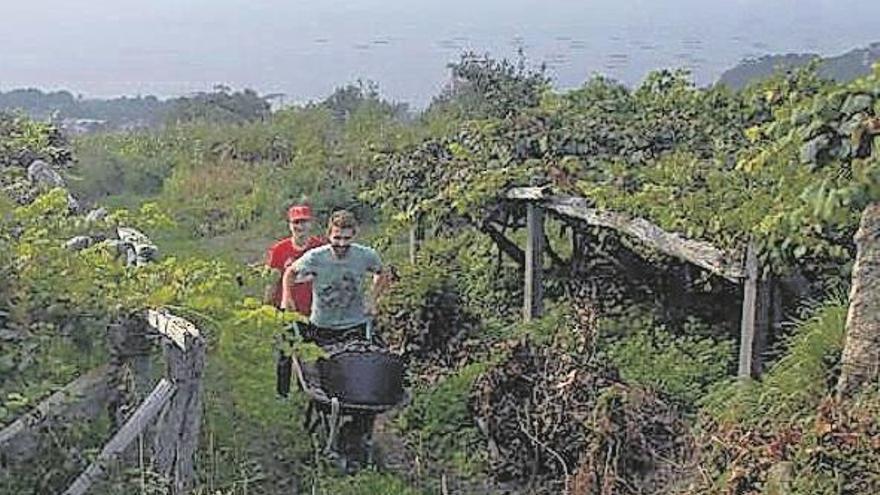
371 310
287 288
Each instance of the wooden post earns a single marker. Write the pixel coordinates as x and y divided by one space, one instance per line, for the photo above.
534 294
755 316
129 359
177 429
763 322
413 244
416 237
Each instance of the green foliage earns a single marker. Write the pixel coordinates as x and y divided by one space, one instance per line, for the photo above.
490 286
557 327
425 296
214 185
366 483
220 179
483 87
60 451
439 421
795 210
63 300
220 106
22 141
683 365
707 163
119 164
245 346
247 173
346 102
453 296
794 385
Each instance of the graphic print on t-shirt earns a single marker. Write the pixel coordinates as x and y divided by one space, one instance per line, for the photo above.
340 294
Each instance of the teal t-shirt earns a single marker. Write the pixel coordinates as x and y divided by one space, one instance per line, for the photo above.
338 284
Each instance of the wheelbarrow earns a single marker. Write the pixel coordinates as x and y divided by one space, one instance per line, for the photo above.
358 380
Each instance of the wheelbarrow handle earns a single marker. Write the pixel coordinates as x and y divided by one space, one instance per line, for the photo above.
297 331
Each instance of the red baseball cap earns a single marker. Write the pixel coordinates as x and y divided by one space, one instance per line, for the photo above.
299 212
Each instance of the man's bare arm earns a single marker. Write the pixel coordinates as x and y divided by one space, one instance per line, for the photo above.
287 287
377 289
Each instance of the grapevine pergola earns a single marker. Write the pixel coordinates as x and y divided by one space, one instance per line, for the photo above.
737 267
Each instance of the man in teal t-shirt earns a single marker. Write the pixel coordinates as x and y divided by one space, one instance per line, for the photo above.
339 311
338 271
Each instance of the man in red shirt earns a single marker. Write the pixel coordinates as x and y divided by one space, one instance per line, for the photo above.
279 256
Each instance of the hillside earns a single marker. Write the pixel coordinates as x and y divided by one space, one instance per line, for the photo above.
78 115
842 68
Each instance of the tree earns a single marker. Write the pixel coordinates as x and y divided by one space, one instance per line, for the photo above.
483 87
220 106
347 100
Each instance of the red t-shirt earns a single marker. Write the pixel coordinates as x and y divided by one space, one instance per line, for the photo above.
279 257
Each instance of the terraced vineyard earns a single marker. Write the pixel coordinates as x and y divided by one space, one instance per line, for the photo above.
625 384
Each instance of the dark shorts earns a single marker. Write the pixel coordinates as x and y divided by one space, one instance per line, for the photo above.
331 336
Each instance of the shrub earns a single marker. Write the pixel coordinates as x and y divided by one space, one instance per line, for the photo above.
681 362
683 366
439 419
423 314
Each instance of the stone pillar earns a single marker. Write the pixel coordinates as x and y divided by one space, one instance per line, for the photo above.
861 352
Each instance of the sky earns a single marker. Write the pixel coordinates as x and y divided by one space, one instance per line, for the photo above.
304 49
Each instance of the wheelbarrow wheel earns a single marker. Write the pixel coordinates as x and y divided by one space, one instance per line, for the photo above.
356 441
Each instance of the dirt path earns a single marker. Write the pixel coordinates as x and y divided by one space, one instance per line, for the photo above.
394 454
397 457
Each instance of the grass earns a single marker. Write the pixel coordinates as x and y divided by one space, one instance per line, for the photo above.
365 483
794 385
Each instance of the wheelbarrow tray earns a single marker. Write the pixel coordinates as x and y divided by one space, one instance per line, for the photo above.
309 382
